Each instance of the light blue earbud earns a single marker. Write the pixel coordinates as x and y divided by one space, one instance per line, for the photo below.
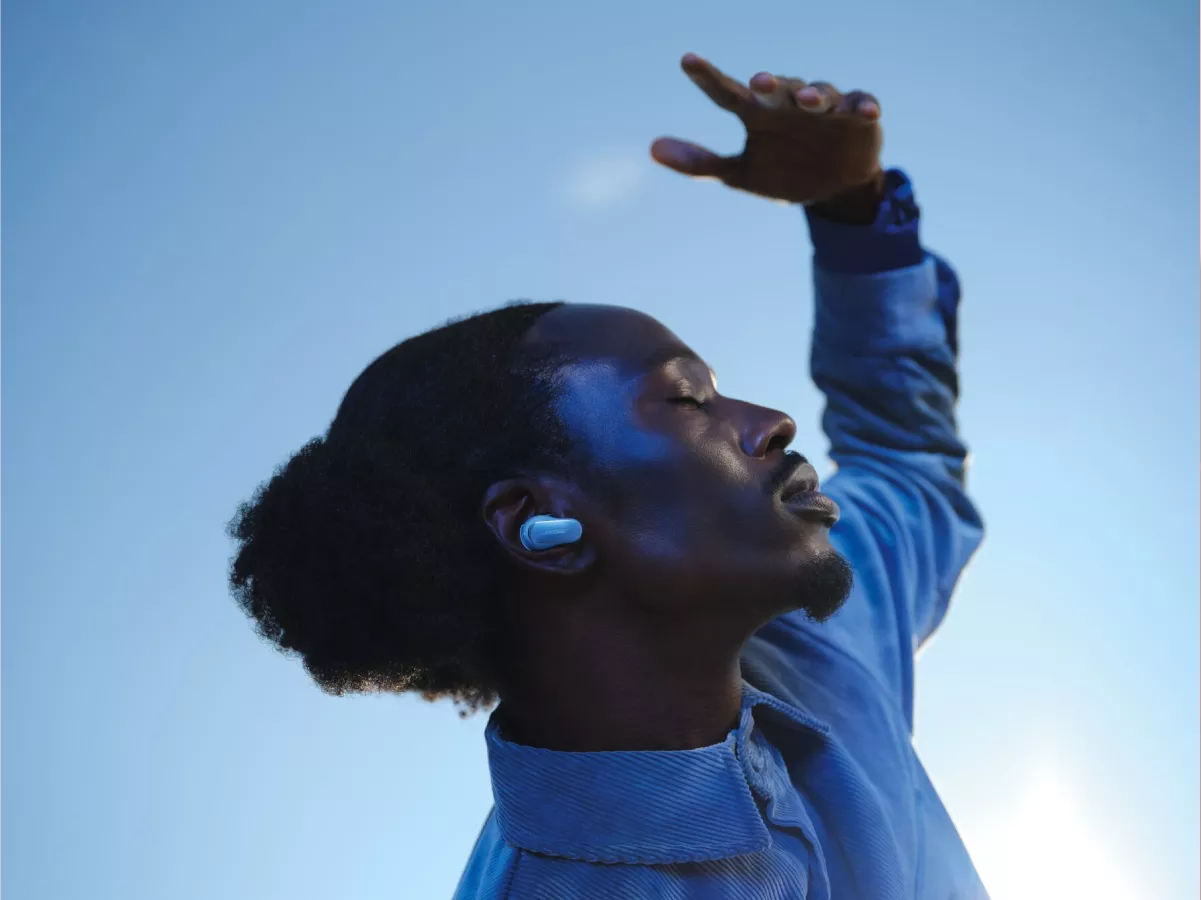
544 532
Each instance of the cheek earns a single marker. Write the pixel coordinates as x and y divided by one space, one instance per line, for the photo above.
703 507
600 418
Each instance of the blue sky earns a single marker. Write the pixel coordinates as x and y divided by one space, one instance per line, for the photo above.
214 215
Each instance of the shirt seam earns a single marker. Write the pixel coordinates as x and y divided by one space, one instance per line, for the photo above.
512 877
758 847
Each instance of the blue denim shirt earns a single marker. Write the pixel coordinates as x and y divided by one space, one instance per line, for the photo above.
818 792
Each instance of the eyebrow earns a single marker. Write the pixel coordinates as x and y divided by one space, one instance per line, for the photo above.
667 355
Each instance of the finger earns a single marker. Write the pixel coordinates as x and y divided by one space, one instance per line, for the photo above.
691 159
860 103
719 87
818 97
770 91
791 87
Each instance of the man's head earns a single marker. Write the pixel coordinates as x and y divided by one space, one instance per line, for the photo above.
387 553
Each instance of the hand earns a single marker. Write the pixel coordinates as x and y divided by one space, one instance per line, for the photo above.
805 143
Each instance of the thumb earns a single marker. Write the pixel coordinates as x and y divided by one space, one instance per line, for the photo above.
692 159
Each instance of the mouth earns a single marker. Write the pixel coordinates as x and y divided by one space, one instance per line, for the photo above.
800 494
813 506
798 490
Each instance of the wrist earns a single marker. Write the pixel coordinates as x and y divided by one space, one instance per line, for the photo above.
890 241
855 206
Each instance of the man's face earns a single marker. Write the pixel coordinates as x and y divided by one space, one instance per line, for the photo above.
683 497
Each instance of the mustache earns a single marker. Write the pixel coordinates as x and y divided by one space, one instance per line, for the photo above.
788 466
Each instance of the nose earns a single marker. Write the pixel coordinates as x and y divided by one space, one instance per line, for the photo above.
767 431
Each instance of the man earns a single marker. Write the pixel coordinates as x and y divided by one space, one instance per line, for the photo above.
688 708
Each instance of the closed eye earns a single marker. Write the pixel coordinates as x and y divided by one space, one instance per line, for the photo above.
691 402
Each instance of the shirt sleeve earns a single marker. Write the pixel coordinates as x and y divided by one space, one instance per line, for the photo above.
884 354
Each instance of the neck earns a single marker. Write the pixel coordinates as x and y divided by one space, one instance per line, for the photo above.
607 681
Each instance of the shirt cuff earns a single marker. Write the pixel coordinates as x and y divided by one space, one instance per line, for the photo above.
891 242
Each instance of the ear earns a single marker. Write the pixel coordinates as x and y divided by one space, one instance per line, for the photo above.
507 505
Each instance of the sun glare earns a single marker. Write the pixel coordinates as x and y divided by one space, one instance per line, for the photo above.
1045 848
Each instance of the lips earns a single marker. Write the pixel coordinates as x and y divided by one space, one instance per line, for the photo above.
813 506
800 494
801 480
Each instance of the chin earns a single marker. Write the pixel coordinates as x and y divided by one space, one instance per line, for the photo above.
824 582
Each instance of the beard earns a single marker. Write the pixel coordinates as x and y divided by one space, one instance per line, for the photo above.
823 584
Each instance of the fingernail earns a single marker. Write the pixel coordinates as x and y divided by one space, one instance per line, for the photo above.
869 109
691 58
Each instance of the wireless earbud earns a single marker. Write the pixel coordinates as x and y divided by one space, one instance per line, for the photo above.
544 532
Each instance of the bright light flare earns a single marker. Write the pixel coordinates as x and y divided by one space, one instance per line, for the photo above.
1045 847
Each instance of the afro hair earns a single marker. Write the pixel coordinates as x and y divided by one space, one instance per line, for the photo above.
365 554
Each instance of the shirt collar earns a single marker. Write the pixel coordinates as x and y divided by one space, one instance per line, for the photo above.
638 806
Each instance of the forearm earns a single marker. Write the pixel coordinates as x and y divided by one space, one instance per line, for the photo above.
885 343
884 354
901 312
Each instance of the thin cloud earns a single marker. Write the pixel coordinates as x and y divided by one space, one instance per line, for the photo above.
604 179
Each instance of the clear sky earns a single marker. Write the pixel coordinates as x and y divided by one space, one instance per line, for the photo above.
215 214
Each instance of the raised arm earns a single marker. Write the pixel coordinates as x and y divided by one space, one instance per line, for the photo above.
884 354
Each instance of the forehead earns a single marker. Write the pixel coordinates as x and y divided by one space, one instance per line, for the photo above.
624 337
